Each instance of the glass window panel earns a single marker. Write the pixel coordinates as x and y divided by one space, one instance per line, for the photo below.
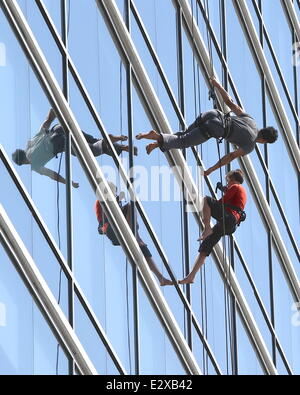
285 316
27 345
281 38
33 239
248 363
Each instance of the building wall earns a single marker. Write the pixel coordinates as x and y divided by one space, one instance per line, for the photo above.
103 272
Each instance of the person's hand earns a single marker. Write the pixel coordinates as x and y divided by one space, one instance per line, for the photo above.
213 81
207 172
75 184
122 196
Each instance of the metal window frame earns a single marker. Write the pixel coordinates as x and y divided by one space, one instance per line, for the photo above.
289 8
60 259
95 177
42 294
275 60
143 81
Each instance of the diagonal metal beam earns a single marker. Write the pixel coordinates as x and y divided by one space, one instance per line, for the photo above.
289 7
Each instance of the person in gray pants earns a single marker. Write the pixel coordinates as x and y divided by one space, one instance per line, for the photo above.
49 142
239 129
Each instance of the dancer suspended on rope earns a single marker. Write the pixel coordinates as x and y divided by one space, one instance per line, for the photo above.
234 200
49 142
104 228
239 129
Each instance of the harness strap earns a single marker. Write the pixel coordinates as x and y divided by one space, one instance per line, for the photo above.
227 121
242 213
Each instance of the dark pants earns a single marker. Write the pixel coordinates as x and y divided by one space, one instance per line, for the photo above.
207 125
226 227
113 238
97 146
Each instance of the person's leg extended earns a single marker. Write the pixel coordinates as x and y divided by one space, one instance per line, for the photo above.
197 133
189 279
204 251
179 140
162 280
114 139
208 125
100 148
206 219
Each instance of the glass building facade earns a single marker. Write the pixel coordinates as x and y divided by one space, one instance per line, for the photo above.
123 67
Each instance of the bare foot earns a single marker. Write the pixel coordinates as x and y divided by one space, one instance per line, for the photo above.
152 135
115 139
164 281
187 280
151 147
207 232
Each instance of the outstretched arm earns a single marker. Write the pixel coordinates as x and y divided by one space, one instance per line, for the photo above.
44 171
227 99
225 160
50 118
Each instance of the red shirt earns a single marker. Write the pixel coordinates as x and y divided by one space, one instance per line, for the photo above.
235 196
102 220
98 210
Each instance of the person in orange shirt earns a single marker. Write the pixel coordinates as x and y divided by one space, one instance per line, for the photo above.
232 207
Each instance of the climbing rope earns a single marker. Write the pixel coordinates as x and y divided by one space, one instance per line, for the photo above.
58 216
59 246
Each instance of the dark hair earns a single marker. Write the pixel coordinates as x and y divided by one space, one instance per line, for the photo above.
19 157
236 175
269 134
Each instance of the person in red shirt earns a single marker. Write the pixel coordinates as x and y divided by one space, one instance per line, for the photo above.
104 228
234 200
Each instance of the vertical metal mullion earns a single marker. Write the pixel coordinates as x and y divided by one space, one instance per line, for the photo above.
185 235
127 7
234 351
268 195
65 80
